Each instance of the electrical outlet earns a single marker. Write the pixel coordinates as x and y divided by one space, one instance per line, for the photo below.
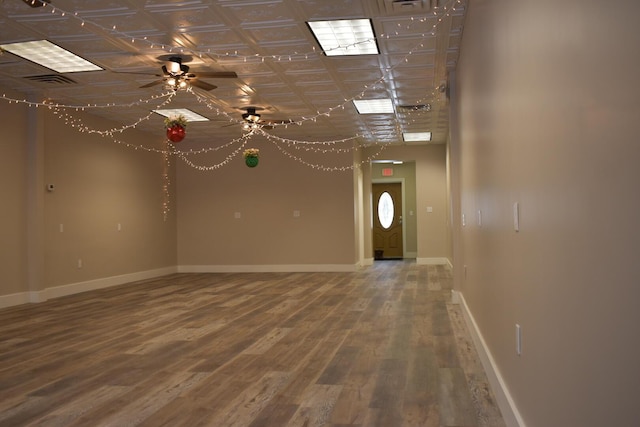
79 263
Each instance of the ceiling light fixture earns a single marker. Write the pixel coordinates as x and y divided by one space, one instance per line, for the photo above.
36 3
416 136
51 56
374 106
190 115
252 117
345 37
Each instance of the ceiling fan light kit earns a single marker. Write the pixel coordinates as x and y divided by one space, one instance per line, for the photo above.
176 75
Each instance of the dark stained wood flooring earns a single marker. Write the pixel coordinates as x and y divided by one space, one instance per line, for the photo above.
379 347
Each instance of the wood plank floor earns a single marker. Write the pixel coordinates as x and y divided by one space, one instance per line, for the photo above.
379 347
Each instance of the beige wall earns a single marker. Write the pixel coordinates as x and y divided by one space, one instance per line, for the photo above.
430 175
547 116
267 235
13 187
98 185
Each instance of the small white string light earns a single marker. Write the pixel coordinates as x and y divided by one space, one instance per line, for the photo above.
166 183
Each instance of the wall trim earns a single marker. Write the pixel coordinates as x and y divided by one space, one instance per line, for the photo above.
434 261
367 261
76 288
14 299
275 268
510 413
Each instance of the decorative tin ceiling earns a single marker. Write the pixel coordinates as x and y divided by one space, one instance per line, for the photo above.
280 67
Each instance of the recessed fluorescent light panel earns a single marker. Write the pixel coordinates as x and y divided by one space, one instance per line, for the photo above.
373 106
345 37
51 56
416 136
191 116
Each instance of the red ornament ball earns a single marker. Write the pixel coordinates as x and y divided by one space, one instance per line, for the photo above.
175 133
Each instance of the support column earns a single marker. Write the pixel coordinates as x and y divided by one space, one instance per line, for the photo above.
35 205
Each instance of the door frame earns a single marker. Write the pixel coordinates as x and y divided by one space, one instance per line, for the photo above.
404 211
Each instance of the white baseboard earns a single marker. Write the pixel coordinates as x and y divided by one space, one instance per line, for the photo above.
510 413
14 299
367 261
434 261
276 268
76 288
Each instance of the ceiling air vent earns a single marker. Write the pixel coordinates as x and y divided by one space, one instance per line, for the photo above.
417 107
51 79
407 6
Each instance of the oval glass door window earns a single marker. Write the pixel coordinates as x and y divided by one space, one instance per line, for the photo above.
385 210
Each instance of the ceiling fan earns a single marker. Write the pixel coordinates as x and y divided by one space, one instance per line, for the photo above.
253 119
176 75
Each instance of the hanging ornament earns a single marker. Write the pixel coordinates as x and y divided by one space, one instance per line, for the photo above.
176 126
251 157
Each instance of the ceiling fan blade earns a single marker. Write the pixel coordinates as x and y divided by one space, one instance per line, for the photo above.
218 74
138 72
157 82
202 85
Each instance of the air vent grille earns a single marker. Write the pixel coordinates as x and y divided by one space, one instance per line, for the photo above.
417 107
406 6
52 79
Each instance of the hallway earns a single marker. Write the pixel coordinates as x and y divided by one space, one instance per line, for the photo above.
379 347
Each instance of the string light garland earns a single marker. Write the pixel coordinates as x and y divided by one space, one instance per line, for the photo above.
50 104
169 150
166 183
439 14
311 146
331 168
77 123
226 160
446 11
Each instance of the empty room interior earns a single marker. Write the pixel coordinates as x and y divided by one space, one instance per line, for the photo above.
319 212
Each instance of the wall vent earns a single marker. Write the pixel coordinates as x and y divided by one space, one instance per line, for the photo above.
51 79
